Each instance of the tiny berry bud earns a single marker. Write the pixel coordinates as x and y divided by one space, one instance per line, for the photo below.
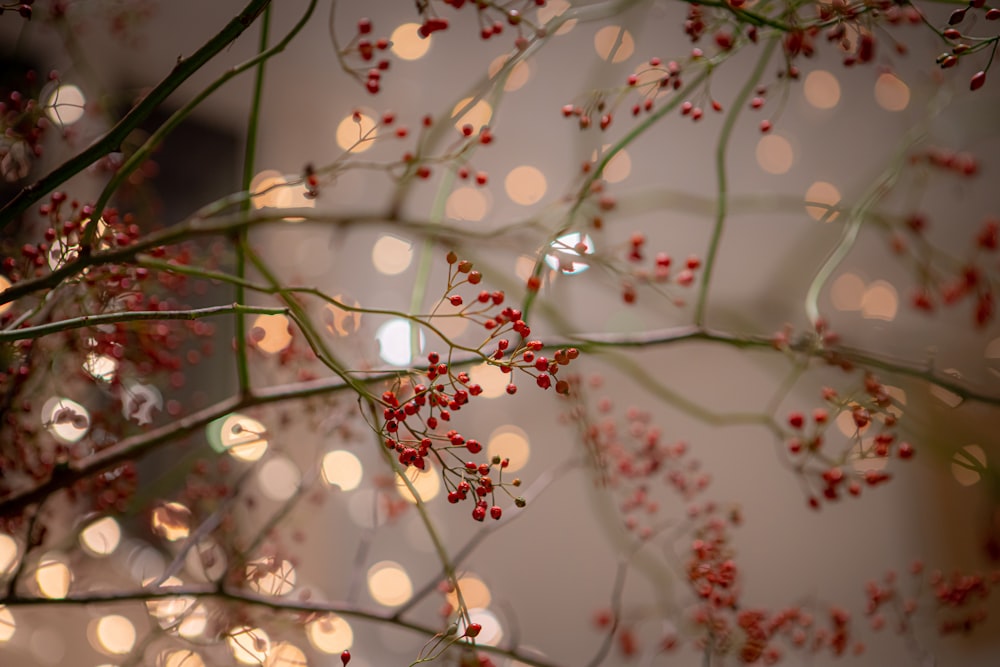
473 630
345 657
977 81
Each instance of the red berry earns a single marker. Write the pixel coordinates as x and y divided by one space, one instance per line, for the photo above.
345 657
473 630
977 81
496 512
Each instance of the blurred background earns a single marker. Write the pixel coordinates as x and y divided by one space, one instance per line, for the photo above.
538 577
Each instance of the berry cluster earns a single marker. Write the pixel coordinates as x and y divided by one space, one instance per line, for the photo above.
660 272
369 52
959 601
22 128
414 413
943 280
865 452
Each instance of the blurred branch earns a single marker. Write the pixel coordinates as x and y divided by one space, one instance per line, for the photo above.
111 141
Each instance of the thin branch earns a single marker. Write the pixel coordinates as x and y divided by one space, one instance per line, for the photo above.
276 604
721 173
85 321
110 142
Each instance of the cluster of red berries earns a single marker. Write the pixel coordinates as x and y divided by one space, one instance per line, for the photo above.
946 282
412 414
491 18
960 600
511 335
961 44
23 125
660 272
807 442
367 48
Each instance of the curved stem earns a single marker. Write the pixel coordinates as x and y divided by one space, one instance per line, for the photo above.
721 206
249 158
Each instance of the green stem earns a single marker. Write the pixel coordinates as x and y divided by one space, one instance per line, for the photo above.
249 159
584 190
85 321
144 151
184 69
721 207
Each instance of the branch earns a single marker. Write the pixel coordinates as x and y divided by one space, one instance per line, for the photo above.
85 321
111 141
220 592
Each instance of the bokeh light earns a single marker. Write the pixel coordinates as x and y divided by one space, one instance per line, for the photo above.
393 338
285 654
426 482
847 291
343 469
491 632
270 576
271 333
249 646
356 132
519 73
66 104
467 203
8 553
7 624
101 537
172 521
967 465
4 284
551 10
101 367
822 89
243 437
266 188
566 250
113 634
475 593
775 154
478 115
880 301
510 442
279 478
339 321
392 255
614 43
891 93
492 380
822 192
525 185
389 584
53 576
67 420
330 634
407 42
181 658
